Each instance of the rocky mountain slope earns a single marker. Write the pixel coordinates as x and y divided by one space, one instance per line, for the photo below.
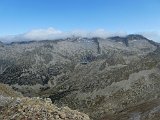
105 78
14 106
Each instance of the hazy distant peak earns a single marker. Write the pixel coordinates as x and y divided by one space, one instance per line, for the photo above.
135 37
129 37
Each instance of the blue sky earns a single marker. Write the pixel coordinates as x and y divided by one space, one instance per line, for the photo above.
19 16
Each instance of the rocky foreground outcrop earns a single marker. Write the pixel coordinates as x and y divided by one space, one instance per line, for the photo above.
24 108
36 109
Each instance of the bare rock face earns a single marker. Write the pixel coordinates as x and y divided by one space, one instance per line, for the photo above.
37 108
105 78
13 106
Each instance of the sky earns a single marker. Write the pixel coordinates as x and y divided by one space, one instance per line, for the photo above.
52 17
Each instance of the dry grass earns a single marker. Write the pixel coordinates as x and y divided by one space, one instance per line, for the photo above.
6 90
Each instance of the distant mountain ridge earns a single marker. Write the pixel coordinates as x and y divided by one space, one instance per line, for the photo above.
128 37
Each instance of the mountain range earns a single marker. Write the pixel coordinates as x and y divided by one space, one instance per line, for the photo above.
115 78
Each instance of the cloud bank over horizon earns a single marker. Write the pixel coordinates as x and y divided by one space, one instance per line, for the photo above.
53 34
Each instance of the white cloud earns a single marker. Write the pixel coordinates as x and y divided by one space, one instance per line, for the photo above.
37 34
42 34
52 34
